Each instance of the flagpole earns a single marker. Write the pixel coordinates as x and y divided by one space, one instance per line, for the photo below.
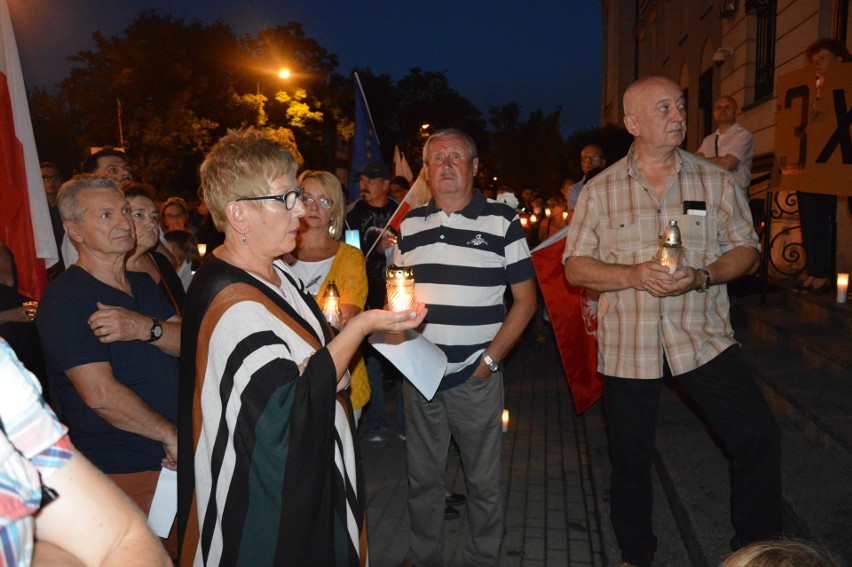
409 197
120 112
365 143
367 106
384 230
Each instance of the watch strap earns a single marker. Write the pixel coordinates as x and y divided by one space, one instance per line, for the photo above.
492 365
154 336
706 285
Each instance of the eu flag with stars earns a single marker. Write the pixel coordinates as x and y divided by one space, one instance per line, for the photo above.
365 144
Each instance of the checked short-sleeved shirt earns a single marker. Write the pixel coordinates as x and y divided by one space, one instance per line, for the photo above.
618 221
33 445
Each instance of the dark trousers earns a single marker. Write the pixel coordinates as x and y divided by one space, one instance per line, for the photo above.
727 393
818 217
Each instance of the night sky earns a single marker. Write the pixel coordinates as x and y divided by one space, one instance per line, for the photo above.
544 54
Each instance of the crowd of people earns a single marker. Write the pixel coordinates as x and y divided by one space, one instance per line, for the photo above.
228 370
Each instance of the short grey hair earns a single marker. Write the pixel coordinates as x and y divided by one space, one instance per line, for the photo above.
67 200
241 164
451 133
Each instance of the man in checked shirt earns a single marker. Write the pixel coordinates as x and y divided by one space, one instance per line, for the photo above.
653 323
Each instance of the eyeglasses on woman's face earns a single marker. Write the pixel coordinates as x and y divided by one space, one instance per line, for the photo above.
323 202
290 198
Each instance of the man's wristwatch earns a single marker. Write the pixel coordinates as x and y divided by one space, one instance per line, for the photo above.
706 284
492 365
156 331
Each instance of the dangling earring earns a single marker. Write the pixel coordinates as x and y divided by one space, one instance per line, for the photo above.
331 231
244 239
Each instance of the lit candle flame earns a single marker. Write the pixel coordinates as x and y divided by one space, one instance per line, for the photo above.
842 287
331 305
505 420
202 249
400 286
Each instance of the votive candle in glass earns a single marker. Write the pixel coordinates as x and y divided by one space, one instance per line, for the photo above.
400 286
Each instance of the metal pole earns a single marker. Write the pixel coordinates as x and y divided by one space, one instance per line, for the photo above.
766 251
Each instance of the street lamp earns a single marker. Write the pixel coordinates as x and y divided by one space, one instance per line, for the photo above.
283 73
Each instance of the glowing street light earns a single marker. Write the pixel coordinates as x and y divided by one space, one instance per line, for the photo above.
284 73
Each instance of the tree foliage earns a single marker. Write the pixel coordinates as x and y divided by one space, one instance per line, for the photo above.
169 85
526 153
177 86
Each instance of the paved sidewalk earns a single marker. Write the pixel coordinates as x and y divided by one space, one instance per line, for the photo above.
551 516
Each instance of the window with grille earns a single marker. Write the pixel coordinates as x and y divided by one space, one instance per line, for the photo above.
764 64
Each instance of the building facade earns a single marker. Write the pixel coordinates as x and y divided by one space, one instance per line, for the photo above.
721 47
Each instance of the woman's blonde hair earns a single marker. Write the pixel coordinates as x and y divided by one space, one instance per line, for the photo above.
782 553
241 164
331 186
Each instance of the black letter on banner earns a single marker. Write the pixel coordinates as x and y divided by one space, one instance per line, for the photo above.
798 92
841 135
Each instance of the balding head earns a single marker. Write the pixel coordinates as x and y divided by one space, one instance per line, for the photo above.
725 112
655 112
638 87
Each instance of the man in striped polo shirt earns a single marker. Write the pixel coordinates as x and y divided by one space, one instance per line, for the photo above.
465 250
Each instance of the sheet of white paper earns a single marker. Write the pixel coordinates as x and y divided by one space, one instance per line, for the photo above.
164 506
415 356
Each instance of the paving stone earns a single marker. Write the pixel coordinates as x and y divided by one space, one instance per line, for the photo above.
550 510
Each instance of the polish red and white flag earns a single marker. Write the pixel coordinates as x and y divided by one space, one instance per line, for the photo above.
573 315
25 226
400 165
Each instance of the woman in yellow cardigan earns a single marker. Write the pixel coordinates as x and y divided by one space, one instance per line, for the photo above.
320 258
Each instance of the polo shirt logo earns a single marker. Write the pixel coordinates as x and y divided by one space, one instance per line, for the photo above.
478 241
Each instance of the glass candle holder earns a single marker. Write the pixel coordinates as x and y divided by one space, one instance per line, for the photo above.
331 305
202 249
670 253
30 309
400 286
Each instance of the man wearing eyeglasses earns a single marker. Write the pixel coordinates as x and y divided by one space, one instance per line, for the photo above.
592 162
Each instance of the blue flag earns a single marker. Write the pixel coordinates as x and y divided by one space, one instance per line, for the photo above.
365 144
